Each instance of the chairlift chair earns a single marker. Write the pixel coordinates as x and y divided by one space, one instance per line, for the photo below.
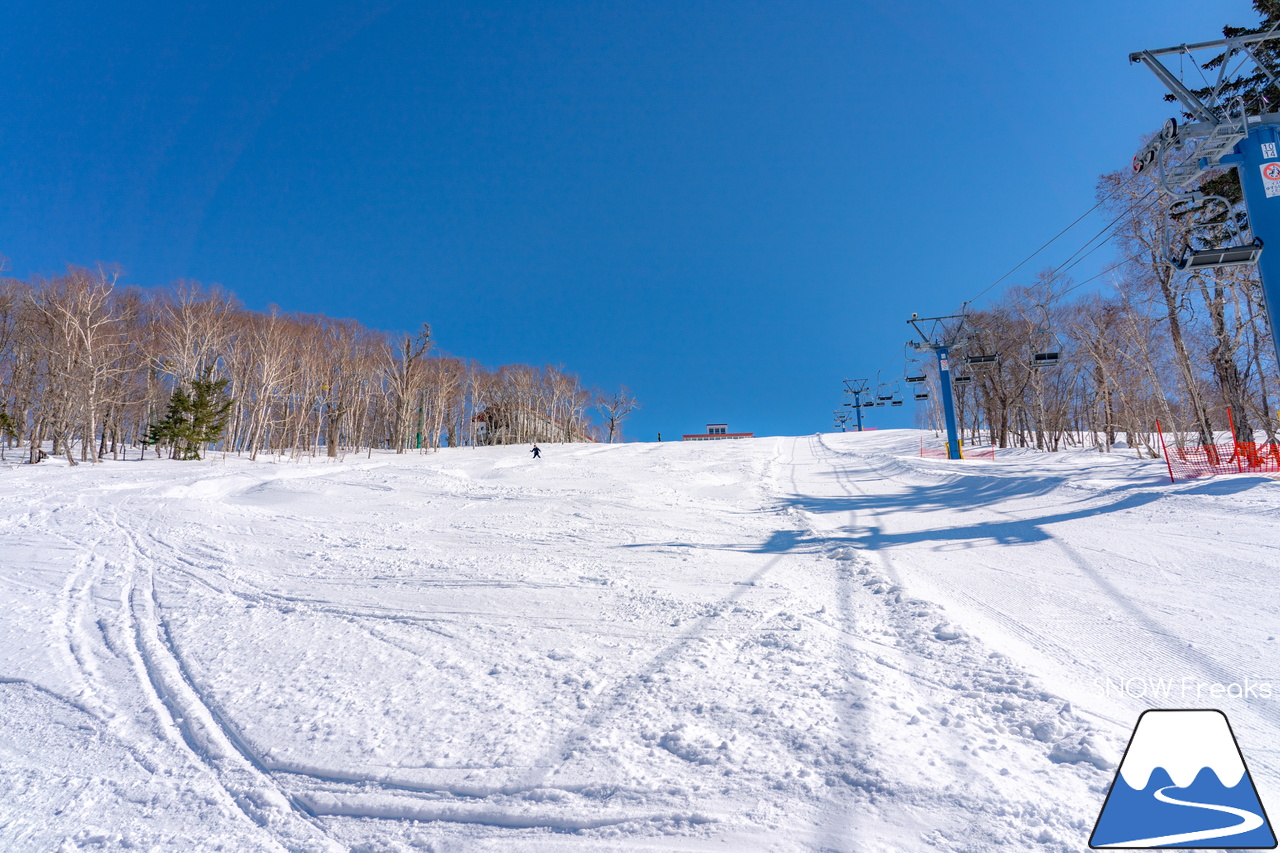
1049 353
914 374
895 403
883 392
1184 256
922 395
1204 259
985 360
961 379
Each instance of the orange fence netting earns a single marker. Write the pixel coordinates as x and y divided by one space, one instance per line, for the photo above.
1206 460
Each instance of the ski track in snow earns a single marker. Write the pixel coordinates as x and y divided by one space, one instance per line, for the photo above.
809 644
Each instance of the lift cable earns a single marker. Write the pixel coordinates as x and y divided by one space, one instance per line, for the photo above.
1076 257
1116 265
1067 265
1050 242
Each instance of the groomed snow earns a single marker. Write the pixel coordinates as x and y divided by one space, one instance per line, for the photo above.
819 643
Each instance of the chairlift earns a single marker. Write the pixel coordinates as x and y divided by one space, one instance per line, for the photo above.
961 378
1205 259
1049 353
1182 253
895 403
915 369
922 395
869 404
985 360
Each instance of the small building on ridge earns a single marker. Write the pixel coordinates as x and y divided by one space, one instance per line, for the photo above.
715 432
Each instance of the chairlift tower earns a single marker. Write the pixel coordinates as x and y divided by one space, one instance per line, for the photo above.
1222 134
856 387
942 335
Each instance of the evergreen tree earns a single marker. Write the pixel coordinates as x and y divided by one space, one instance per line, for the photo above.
193 419
1254 86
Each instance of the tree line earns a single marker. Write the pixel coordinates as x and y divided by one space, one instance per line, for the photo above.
90 369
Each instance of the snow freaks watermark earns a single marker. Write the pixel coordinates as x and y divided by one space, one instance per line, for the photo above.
1183 782
1187 688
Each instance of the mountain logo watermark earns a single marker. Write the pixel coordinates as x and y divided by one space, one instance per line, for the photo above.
1183 784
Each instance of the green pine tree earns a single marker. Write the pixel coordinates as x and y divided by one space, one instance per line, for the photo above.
193 419
1254 86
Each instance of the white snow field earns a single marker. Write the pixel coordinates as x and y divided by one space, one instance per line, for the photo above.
819 643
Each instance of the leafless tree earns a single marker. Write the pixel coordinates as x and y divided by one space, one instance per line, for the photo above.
614 408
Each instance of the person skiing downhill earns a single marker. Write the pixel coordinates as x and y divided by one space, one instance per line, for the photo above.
537 454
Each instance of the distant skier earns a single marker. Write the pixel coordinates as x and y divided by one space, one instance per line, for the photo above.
537 454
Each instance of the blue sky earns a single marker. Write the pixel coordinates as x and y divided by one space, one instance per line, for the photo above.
725 206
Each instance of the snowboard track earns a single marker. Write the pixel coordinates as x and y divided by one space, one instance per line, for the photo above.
292 801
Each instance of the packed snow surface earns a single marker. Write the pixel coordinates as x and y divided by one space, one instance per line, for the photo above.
819 643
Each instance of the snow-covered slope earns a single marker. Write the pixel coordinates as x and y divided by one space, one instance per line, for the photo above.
792 644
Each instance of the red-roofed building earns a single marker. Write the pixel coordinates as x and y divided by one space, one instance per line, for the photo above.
715 432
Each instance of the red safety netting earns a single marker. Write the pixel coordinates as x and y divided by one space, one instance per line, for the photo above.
1206 460
988 453
1242 457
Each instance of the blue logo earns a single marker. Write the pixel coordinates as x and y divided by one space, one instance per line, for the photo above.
1183 784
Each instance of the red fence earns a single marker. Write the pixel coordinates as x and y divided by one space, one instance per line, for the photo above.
1242 457
1206 460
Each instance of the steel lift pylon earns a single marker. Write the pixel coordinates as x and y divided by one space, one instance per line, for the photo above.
1223 134
941 336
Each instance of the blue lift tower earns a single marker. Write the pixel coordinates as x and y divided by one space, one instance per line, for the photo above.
856 387
943 335
1224 131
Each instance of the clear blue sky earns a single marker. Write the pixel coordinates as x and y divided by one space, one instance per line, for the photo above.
726 206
